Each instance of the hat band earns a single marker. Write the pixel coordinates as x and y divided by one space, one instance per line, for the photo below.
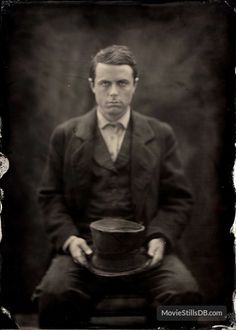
118 262
118 255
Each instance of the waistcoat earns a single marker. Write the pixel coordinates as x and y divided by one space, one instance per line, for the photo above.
110 194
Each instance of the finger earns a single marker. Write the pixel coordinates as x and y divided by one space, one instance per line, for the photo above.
86 249
80 258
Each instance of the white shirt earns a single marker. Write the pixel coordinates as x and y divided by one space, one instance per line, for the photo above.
113 132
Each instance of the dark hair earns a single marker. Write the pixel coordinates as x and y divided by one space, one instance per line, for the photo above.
115 55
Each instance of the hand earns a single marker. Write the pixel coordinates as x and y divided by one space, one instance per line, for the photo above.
78 249
156 249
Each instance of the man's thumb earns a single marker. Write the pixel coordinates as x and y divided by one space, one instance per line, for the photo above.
151 251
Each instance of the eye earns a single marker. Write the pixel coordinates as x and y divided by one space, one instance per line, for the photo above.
104 83
123 83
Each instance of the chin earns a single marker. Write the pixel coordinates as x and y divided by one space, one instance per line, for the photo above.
116 112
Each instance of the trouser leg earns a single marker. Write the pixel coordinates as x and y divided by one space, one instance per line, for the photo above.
65 294
170 283
68 291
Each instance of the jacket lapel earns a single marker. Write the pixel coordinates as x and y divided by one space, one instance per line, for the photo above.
124 156
143 160
84 142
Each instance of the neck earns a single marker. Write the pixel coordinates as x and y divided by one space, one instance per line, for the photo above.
111 118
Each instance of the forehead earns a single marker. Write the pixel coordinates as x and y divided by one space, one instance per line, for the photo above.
113 72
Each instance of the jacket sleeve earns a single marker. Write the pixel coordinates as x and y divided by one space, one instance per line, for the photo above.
175 198
58 222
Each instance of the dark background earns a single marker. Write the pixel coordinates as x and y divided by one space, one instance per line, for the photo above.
185 55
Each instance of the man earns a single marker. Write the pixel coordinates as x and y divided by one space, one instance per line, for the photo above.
112 162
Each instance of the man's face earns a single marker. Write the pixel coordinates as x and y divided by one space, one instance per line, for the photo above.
114 87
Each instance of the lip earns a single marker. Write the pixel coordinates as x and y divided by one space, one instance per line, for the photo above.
113 103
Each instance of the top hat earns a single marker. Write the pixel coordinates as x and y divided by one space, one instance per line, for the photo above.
117 248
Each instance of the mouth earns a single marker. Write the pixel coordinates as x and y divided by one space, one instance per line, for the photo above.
113 103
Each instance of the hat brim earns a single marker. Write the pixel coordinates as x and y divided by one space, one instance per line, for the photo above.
97 271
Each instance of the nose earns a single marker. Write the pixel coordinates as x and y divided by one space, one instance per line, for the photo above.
113 90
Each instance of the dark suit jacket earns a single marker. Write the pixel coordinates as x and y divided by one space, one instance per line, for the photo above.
160 193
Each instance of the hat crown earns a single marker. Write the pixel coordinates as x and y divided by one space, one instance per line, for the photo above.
117 244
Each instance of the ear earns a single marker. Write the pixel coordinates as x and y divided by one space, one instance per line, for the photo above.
91 84
136 80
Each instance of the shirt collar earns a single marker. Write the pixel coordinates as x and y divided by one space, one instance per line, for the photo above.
124 120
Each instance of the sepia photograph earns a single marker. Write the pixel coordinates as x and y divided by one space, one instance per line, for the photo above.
117 156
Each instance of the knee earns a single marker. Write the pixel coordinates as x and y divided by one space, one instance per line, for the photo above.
184 284
52 292
180 279
54 297
60 289
178 286
184 291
